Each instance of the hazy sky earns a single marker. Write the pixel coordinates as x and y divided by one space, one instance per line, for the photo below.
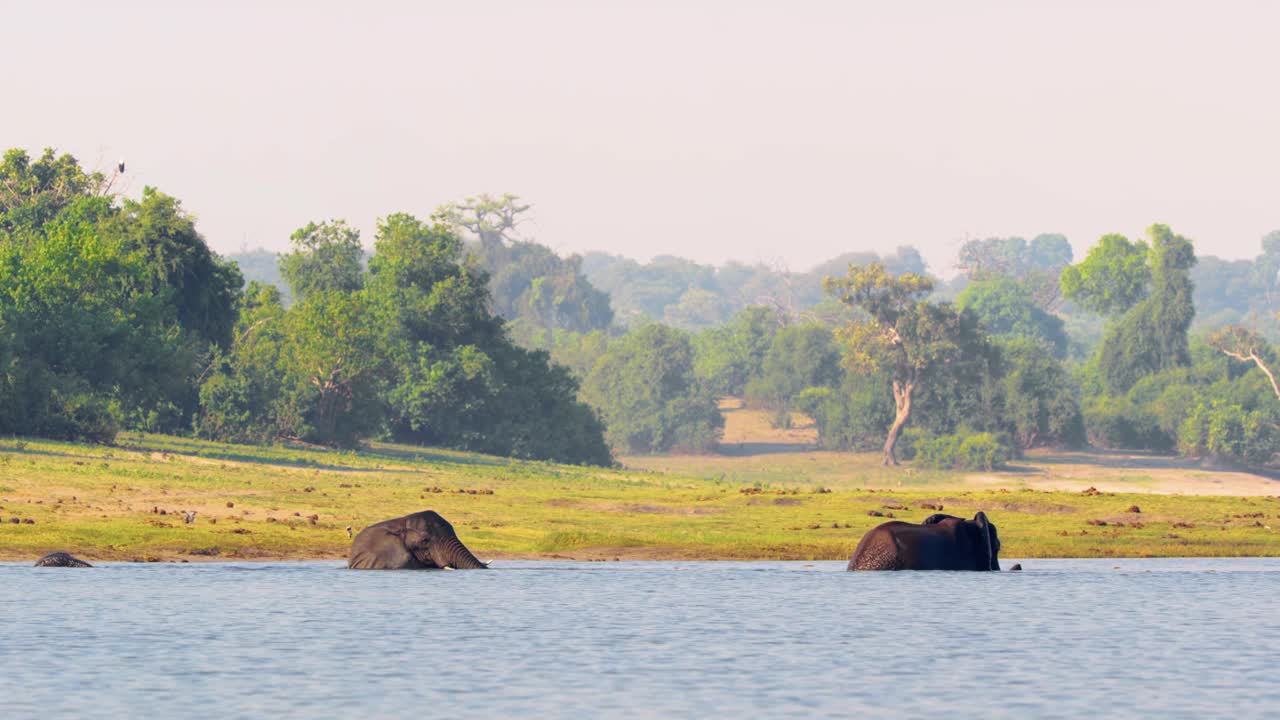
786 132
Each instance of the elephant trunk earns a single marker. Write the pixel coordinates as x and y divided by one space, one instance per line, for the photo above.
452 553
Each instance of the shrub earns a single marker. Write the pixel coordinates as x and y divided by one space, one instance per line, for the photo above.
1230 432
852 417
1114 422
959 451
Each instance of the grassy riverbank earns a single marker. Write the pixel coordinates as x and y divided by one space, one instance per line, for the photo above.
129 501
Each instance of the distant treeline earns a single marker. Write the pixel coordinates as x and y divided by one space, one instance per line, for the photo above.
457 331
1023 348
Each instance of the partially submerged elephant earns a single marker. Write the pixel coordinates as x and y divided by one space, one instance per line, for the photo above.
941 542
419 541
61 559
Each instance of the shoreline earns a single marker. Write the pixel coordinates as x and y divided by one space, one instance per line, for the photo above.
586 556
168 499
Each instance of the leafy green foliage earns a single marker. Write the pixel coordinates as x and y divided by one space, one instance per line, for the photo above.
651 398
1112 278
242 399
1152 335
958 451
688 295
1230 431
1039 402
107 309
409 350
730 356
904 337
326 257
205 289
1006 308
34 193
853 416
456 378
528 282
1013 256
799 357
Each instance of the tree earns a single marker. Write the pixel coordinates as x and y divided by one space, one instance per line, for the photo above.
490 219
1152 335
205 289
1036 265
84 341
112 307
332 368
992 256
1112 278
1247 346
905 337
1268 270
34 193
730 356
326 257
241 392
799 357
454 376
1050 251
1005 307
1039 400
650 397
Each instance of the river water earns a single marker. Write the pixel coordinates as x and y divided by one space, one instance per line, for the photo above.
1065 638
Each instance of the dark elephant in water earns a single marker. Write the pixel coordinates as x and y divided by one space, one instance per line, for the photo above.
419 541
61 559
941 542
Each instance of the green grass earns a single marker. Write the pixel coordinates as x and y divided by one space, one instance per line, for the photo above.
105 503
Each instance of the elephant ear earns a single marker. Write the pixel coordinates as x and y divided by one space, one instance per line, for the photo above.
986 543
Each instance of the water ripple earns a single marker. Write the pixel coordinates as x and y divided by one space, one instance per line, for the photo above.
1139 638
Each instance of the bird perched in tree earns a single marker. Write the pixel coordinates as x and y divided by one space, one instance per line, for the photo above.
120 166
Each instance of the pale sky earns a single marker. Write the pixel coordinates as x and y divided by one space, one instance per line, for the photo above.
786 132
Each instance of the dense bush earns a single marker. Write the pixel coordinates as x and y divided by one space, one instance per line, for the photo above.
959 451
853 416
407 350
1228 431
109 307
1039 404
799 357
728 357
651 398
1115 423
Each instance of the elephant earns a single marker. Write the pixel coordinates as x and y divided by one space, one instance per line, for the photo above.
61 559
420 541
941 542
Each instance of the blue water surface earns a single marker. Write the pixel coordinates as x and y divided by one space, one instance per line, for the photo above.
1065 638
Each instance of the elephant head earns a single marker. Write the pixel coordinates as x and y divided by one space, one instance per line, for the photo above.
431 539
421 540
988 542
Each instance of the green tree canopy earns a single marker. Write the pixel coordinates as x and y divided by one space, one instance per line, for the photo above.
1112 278
1006 308
730 356
326 257
1152 335
651 398
799 357
112 305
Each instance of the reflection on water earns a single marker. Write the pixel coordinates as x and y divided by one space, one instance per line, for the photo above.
1170 638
